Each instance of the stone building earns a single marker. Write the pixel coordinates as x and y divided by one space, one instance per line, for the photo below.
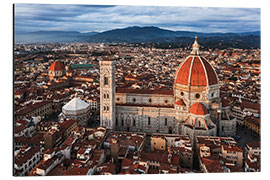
26 159
76 109
42 109
192 108
227 122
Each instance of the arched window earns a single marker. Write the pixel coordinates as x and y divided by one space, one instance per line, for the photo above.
166 121
106 80
149 120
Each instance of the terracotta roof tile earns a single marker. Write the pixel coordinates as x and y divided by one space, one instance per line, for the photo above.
196 71
57 66
180 102
144 91
198 109
20 128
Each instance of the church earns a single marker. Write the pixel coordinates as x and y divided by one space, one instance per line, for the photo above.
194 106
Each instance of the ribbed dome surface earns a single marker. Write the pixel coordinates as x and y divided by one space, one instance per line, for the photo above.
57 66
196 71
198 109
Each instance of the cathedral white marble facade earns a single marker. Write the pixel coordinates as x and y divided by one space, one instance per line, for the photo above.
192 108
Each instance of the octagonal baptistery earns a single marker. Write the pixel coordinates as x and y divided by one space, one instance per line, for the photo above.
196 80
77 109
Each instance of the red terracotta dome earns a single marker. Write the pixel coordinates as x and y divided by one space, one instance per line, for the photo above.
196 70
198 109
180 102
57 66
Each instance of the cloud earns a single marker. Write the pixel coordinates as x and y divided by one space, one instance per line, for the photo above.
32 17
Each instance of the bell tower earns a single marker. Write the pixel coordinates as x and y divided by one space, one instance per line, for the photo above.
107 94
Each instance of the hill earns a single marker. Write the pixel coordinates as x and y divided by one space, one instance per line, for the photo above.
148 34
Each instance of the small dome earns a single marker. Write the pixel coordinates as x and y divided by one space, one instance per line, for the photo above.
198 109
57 66
180 102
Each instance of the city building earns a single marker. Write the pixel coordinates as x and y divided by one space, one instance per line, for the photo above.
227 122
219 154
50 160
253 124
131 141
252 157
26 159
178 145
42 109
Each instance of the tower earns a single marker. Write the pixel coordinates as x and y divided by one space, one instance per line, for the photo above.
107 94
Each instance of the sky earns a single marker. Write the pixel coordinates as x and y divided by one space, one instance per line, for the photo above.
87 18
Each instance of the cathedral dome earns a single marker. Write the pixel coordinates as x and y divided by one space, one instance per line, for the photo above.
57 66
198 109
196 70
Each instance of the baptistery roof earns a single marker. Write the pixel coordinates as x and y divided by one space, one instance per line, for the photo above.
75 104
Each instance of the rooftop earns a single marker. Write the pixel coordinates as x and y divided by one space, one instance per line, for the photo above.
198 109
144 91
75 104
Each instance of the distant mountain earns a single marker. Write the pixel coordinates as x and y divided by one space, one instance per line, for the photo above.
154 34
89 33
133 34
137 34
51 36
